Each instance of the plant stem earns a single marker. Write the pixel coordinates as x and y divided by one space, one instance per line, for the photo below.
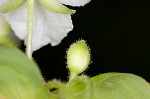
30 14
72 76
89 86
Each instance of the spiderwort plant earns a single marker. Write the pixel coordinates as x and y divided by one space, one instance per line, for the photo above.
20 78
39 22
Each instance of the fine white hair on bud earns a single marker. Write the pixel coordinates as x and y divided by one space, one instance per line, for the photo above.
78 58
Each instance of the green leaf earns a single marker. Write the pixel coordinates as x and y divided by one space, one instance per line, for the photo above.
115 86
56 6
20 77
9 5
7 37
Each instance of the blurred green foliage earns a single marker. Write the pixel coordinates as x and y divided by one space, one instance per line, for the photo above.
20 78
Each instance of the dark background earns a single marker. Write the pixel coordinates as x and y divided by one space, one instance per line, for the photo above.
118 34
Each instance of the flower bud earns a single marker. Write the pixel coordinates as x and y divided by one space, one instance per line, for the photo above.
78 58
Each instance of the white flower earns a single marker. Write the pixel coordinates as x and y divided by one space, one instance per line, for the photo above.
49 24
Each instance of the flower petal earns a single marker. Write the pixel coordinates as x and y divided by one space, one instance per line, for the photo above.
9 5
75 2
56 6
48 27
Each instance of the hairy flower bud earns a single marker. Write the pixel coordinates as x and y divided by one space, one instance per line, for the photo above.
78 58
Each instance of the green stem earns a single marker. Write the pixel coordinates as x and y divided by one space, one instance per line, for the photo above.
61 91
72 76
88 83
29 28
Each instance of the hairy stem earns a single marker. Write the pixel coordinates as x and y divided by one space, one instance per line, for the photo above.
29 28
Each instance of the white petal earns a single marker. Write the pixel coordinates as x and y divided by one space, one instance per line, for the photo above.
48 27
18 21
75 2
